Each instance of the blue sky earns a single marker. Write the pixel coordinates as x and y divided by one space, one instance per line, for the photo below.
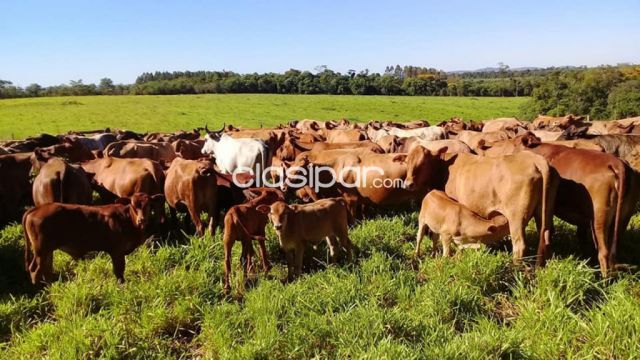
52 42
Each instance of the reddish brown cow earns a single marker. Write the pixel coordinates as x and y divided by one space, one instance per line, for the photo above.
116 229
192 186
60 182
72 151
158 151
15 188
188 149
245 223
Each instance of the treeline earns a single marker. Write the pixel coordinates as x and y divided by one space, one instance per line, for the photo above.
607 92
602 92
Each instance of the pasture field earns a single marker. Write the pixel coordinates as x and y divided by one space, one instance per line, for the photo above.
386 304
23 117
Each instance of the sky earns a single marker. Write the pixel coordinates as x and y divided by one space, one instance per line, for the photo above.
53 42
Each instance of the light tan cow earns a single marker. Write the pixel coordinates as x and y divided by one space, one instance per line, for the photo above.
300 225
519 186
451 221
505 124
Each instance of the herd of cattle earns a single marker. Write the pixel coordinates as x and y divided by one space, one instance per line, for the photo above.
478 181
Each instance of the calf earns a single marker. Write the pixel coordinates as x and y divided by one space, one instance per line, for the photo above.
450 220
299 225
245 223
116 229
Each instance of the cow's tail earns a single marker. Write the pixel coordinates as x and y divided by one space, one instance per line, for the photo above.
549 184
246 232
27 239
620 172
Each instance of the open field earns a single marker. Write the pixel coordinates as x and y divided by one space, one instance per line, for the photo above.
386 304
23 117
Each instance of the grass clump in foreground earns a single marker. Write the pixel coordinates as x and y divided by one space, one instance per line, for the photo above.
384 305
20 118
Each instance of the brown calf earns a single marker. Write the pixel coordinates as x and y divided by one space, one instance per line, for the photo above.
116 229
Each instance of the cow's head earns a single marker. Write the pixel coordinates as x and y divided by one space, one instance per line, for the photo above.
421 165
140 205
278 213
211 139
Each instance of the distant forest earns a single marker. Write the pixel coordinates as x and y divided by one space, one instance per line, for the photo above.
601 92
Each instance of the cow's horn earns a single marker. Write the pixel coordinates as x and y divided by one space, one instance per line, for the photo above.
221 130
206 128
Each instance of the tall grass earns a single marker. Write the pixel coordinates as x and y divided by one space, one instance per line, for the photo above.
385 304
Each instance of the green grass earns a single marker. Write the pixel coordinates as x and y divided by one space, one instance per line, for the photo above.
384 305
23 117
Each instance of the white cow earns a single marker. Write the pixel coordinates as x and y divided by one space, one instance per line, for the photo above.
425 133
232 153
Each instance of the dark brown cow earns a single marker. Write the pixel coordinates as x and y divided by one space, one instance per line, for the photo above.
188 149
192 186
72 151
15 188
31 143
245 223
60 182
116 229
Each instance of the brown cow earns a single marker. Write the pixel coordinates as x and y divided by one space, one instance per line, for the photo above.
15 188
292 148
476 139
511 125
450 220
158 151
343 136
60 182
300 225
598 193
245 223
369 178
518 186
73 151
116 229
192 186
558 123
189 149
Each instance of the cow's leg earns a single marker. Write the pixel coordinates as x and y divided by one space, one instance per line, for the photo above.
600 231
331 243
346 244
227 242
445 239
248 251
290 263
118 266
517 229
174 216
543 248
195 218
299 255
41 267
422 229
266 265
435 240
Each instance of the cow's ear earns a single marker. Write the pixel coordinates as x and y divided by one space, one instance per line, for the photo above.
123 201
482 144
443 150
157 198
206 171
492 229
265 209
400 158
